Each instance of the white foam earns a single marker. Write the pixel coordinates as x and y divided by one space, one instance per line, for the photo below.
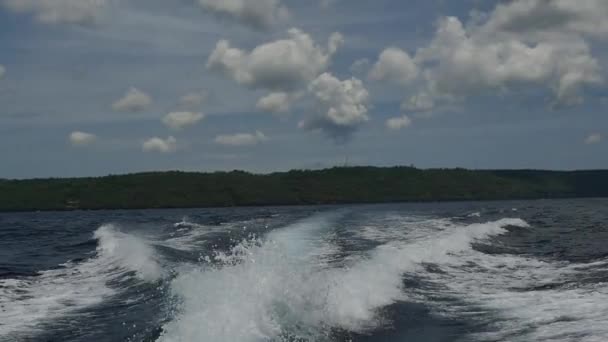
520 296
129 252
27 302
359 291
190 236
272 288
509 290
261 286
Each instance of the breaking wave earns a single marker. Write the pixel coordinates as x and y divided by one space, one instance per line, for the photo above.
330 276
28 302
521 298
275 289
126 252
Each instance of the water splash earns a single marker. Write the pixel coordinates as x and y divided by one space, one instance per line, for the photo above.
274 288
28 302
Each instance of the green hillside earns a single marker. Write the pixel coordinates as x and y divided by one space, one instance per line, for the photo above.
329 186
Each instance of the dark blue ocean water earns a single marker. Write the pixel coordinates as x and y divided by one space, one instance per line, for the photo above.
478 271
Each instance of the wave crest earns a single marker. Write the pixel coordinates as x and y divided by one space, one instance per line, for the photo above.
128 251
31 301
276 289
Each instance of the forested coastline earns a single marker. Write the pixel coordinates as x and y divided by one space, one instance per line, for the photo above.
297 187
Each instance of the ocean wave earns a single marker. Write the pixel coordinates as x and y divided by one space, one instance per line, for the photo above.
518 297
274 288
357 292
128 252
251 292
27 302
189 236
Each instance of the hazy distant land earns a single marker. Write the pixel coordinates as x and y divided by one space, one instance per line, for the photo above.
298 187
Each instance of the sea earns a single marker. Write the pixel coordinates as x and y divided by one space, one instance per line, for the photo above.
463 271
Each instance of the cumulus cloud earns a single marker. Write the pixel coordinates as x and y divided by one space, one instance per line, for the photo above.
134 100
543 16
398 122
241 139
2 71
516 47
594 138
179 120
278 102
194 99
81 139
394 65
80 12
160 145
258 14
343 106
281 65
466 60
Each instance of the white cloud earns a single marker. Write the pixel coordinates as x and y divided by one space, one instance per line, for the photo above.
60 11
360 66
343 106
420 102
2 71
398 122
594 138
160 145
179 120
518 46
463 61
241 139
542 16
259 14
134 100
80 139
193 100
278 102
281 65
394 65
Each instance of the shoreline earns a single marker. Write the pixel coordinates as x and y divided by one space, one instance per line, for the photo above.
335 186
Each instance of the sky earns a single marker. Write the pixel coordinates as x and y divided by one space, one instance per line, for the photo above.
97 87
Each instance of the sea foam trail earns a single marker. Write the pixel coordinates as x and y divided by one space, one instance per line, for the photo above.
192 237
275 289
260 286
522 298
357 292
27 302
519 298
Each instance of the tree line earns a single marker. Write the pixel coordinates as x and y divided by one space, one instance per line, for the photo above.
338 185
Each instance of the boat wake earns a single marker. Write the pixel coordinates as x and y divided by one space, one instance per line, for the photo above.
330 276
120 261
275 289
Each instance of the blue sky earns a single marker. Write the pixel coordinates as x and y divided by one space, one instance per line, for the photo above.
93 87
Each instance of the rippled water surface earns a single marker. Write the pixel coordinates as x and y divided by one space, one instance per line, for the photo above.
478 271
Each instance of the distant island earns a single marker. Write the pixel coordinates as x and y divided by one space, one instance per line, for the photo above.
339 185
